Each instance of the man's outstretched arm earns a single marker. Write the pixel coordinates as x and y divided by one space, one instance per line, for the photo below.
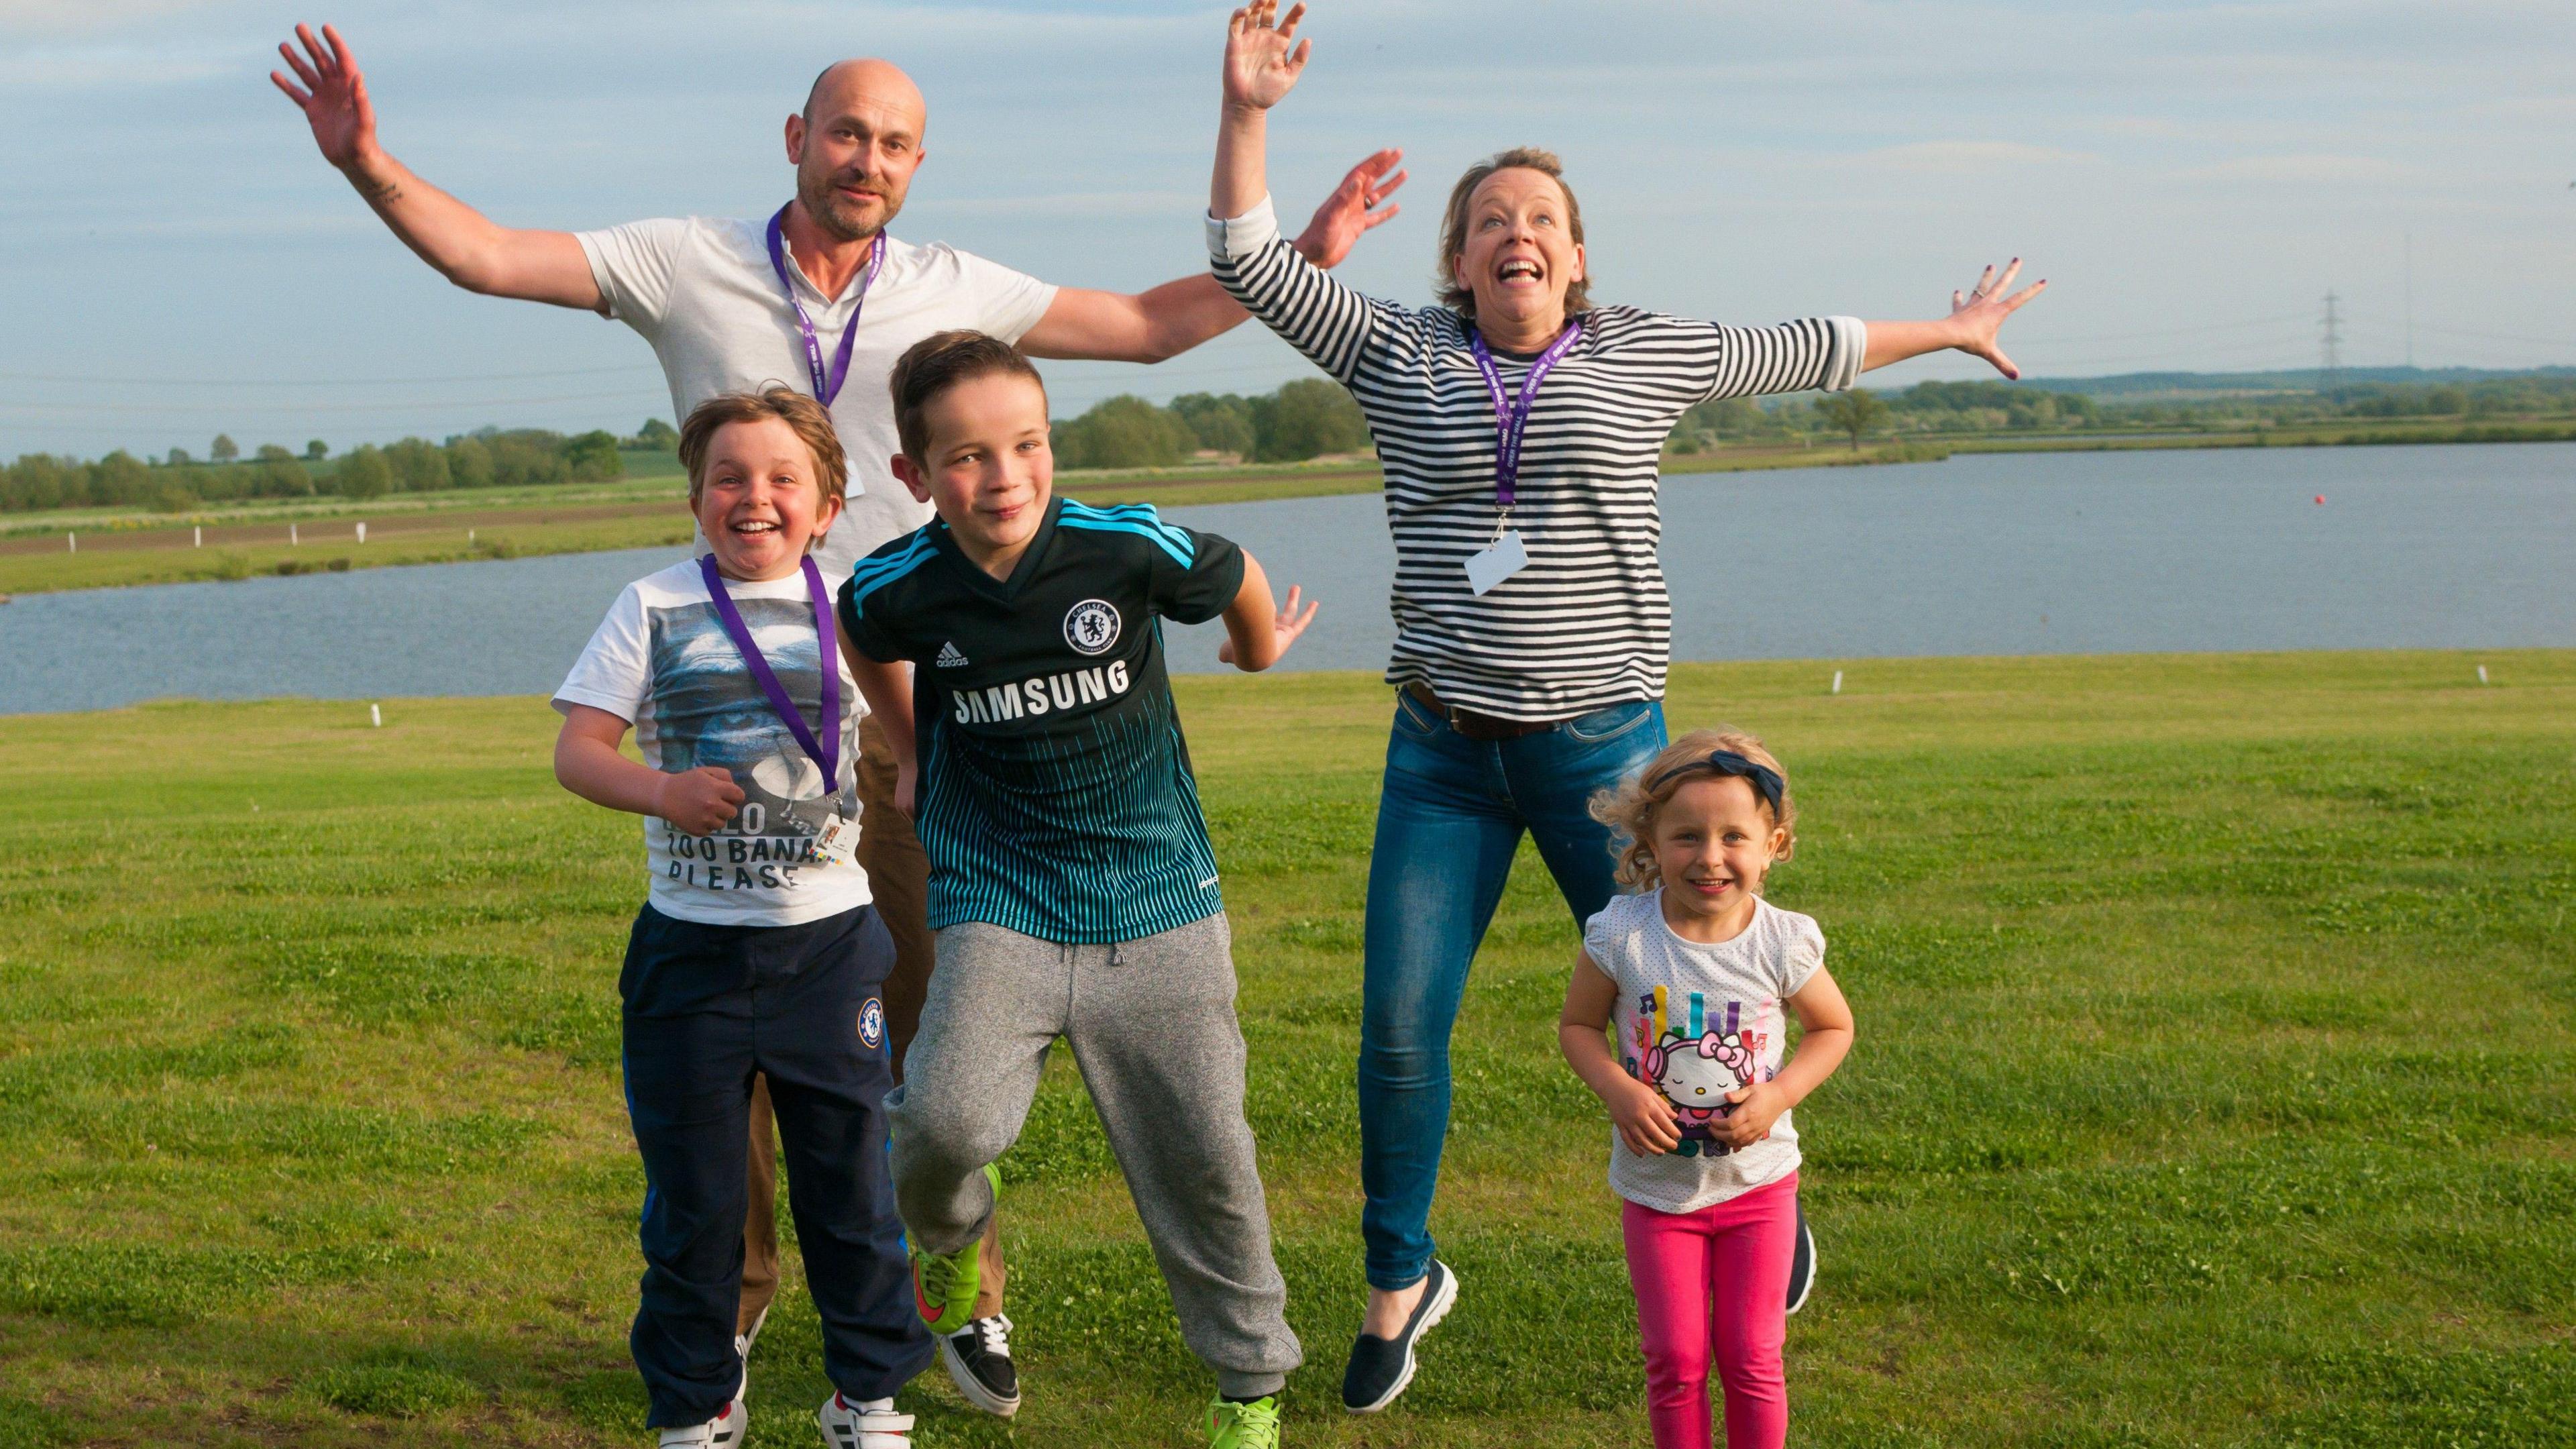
1177 316
465 246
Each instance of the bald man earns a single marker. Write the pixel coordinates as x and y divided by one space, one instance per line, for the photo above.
822 297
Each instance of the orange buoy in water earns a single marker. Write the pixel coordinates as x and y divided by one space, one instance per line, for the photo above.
2321 498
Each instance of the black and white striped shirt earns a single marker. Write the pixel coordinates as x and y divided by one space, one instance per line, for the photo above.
1587 623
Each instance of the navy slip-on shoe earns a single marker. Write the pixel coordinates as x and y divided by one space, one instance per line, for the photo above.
1381 1367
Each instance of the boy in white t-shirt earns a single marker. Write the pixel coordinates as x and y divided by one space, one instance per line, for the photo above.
757 950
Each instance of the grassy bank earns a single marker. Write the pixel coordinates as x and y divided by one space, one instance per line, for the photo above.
2213 1087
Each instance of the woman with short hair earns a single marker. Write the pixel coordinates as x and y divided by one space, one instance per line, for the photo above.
1519 427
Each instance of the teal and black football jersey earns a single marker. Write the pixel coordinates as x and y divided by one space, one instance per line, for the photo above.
1055 798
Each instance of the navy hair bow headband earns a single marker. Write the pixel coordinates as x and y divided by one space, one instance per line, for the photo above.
1728 762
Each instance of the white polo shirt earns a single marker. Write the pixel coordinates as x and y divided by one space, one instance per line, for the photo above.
701 290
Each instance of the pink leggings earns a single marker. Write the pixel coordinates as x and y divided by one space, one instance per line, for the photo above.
1715 1283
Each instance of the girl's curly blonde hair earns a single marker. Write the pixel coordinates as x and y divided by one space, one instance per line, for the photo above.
1630 810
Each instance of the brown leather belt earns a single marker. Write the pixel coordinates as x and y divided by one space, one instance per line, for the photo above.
1475 726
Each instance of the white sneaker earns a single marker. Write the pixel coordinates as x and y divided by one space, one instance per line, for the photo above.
872 1425
724 1431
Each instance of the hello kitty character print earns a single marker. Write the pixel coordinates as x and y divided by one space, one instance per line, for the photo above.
1697 1067
1697 1020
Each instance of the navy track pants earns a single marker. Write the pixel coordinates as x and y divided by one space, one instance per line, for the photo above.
705 1008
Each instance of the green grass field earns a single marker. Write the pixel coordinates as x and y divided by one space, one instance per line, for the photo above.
2216 1078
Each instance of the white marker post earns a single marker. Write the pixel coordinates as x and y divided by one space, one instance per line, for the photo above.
362 533
201 537
2482 674
376 716
1838 681
290 534
71 543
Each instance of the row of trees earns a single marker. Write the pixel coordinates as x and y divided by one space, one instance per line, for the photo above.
1935 408
486 459
1300 420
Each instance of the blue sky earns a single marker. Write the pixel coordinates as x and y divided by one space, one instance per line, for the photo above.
175 260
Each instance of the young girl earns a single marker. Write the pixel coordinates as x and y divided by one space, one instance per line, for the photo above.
1689 976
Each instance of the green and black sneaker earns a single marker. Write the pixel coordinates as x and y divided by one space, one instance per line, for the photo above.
1244 1426
944 1284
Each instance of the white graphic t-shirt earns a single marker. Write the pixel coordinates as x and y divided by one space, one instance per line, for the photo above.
1695 1022
663 661
702 291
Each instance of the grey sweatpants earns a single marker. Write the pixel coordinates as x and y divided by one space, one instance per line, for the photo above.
1151 1023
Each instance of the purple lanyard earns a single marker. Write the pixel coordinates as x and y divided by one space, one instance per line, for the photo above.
827 750
1513 417
827 386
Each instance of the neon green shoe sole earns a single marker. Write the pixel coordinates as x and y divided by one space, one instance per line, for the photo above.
1244 1426
944 1284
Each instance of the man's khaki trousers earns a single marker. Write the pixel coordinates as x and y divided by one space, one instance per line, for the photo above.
899 876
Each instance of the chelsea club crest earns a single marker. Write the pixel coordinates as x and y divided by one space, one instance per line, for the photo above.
1091 626
872 1023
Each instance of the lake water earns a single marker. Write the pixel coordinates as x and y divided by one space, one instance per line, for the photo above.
2415 547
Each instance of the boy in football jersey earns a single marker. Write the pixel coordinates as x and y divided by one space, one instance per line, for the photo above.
1072 887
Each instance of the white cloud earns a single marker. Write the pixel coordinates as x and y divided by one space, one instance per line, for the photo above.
2317 170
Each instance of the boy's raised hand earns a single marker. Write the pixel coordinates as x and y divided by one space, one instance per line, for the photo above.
698 801
1263 56
1290 623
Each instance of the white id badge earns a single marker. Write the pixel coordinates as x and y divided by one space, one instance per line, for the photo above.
1505 558
838 841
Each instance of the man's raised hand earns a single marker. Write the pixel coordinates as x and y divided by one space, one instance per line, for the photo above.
1354 207
1980 313
333 95
1263 56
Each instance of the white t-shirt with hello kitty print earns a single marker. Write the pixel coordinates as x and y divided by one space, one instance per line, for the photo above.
1696 1021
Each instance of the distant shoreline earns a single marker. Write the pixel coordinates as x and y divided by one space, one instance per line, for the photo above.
126 548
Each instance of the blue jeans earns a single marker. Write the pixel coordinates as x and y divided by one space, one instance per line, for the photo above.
1449 820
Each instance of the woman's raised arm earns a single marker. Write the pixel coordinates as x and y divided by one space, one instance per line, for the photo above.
1263 59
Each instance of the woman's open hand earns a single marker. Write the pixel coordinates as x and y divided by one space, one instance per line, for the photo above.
1263 56
1979 314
